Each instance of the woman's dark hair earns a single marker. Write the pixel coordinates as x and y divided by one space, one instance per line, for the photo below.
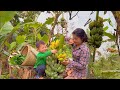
81 34
39 43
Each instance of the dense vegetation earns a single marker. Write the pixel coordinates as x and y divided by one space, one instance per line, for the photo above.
18 28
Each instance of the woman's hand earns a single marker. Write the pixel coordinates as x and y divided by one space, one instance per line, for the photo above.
66 62
70 41
69 72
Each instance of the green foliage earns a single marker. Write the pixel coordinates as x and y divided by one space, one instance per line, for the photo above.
30 31
62 38
17 60
12 45
105 28
106 68
110 22
20 39
5 76
49 20
68 50
45 38
6 16
7 28
7 44
39 36
112 37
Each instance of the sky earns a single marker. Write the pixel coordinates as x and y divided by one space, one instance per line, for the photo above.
79 21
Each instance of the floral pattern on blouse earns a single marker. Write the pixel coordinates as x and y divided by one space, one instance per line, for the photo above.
80 61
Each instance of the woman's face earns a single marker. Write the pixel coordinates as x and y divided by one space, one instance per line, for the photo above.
77 40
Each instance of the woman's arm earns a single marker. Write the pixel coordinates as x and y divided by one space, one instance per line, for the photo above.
84 56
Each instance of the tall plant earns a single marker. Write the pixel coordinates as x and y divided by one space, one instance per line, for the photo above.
96 33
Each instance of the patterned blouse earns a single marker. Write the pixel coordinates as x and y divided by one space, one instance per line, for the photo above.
80 61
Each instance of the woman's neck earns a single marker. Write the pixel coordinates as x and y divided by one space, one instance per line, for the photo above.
78 45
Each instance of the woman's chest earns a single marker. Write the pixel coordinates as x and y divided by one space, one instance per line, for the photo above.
76 54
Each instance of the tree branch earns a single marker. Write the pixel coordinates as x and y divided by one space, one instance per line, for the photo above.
70 13
88 21
92 12
54 24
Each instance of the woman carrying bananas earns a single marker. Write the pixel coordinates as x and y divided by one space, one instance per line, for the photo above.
77 68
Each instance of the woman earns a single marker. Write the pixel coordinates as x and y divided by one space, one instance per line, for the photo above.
77 68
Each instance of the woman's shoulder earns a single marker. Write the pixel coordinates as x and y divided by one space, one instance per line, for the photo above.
84 46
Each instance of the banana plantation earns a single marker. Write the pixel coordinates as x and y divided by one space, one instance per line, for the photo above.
21 30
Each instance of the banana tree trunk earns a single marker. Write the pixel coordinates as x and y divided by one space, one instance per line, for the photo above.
117 18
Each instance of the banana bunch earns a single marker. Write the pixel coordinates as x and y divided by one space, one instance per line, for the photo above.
61 57
96 32
54 44
50 62
63 22
58 68
50 73
96 24
54 69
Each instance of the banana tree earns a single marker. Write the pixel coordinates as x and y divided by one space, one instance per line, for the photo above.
117 18
5 26
12 36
